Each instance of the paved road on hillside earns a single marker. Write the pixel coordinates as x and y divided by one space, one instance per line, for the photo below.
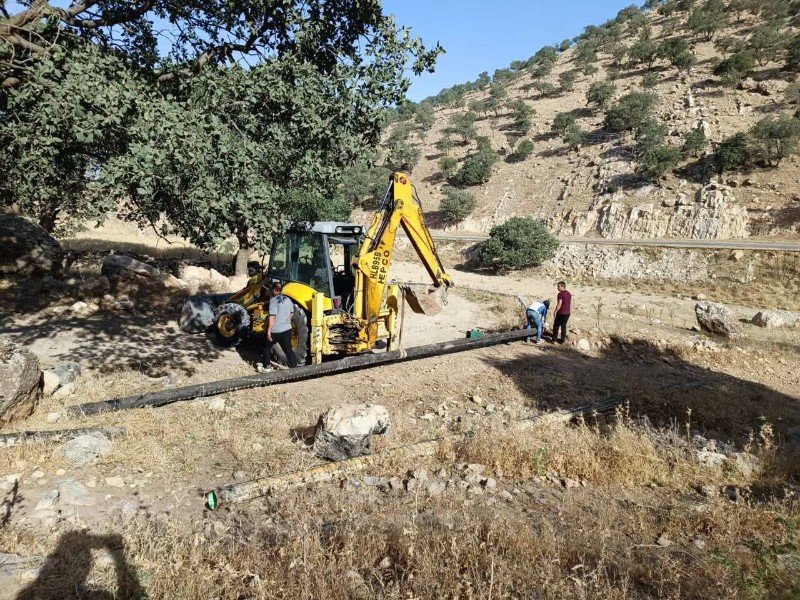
703 244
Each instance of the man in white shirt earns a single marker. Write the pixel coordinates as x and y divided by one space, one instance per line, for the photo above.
536 314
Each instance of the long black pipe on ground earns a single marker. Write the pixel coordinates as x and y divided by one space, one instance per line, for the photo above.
352 363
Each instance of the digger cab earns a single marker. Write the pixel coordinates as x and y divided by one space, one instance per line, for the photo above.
318 258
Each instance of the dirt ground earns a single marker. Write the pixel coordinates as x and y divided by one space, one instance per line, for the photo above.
613 506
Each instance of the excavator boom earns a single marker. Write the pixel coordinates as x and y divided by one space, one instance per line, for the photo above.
400 208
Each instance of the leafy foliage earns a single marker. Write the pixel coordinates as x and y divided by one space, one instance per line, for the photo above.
477 168
649 81
631 112
574 137
793 54
644 52
732 153
523 151
600 93
448 166
736 67
567 80
518 243
707 19
522 116
767 42
775 138
463 125
456 205
694 142
562 122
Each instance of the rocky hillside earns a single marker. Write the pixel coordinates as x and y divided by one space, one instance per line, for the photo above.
595 190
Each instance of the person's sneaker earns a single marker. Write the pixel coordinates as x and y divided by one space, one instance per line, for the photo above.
263 369
538 341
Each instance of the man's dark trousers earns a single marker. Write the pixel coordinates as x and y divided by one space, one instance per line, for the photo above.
284 340
560 322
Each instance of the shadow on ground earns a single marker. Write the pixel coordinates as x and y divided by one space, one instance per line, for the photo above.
66 573
661 385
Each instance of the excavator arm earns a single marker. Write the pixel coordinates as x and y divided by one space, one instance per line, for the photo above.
400 208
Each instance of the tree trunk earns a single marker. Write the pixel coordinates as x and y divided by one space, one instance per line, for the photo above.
240 265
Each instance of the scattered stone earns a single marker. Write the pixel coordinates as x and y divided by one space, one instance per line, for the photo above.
709 459
85 449
583 344
775 318
505 495
490 483
65 391
37 474
50 383
395 484
477 400
699 544
707 490
116 482
428 417
346 431
474 490
48 501
569 483
26 249
53 417
435 488
20 379
74 493
746 463
700 297
120 266
67 372
257 447
490 408
664 541
716 318
215 403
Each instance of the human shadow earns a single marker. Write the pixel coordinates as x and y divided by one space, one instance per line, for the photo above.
660 384
66 572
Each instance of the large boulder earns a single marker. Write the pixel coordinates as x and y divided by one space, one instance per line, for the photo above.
346 431
716 318
776 318
119 266
26 249
20 381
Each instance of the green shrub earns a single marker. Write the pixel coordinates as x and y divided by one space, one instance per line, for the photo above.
766 43
589 70
600 93
792 93
693 142
736 67
793 54
523 151
448 166
705 20
632 111
685 61
562 122
403 157
649 81
657 161
567 80
518 243
477 168
672 47
644 52
732 153
775 138
456 205
574 137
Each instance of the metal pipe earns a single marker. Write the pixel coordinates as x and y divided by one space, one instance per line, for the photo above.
352 363
12 439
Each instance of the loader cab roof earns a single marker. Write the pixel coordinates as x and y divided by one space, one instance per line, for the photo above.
331 228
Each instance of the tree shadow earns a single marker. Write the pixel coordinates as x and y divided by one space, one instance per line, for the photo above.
662 385
66 572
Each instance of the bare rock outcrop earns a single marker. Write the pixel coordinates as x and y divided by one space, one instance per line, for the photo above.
712 215
346 431
776 318
20 381
121 266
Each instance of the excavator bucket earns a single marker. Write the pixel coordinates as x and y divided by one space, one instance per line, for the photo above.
425 299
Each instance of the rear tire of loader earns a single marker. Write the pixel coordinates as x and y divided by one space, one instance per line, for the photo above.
301 338
231 324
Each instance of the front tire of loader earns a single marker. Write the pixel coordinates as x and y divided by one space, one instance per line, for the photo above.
301 338
231 324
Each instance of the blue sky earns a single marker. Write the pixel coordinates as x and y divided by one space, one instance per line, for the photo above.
484 35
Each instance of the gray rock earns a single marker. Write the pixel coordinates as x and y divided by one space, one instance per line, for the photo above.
48 501
85 449
746 463
50 383
74 493
64 391
775 318
716 318
116 481
710 459
121 266
67 372
346 431
26 249
583 344
197 313
20 380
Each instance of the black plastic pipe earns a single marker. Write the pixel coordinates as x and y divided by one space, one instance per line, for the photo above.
352 363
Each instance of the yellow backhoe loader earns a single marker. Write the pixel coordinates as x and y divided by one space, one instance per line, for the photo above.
337 275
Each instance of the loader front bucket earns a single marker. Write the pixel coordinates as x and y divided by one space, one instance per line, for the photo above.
425 299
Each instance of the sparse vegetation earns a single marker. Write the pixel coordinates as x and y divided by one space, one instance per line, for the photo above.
523 151
562 122
775 138
601 93
477 168
631 112
448 166
736 67
694 142
732 153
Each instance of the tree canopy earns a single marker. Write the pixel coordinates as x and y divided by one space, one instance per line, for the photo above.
227 118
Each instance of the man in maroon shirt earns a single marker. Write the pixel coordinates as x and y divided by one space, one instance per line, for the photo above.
563 309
